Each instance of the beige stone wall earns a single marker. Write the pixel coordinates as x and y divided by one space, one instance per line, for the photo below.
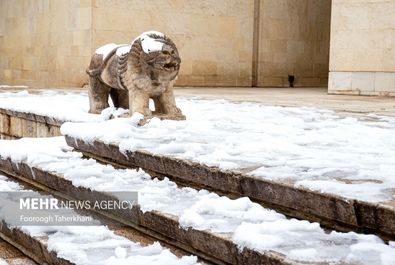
362 57
214 38
48 43
44 42
294 40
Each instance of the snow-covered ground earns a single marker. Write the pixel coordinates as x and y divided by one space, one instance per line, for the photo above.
65 106
91 245
314 148
247 223
309 147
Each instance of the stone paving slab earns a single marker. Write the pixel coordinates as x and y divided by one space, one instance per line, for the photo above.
331 210
210 246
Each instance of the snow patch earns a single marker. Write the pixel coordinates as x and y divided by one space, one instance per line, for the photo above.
106 49
68 106
309 147
124 49
148 43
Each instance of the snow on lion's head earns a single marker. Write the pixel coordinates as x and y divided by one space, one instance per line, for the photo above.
154 53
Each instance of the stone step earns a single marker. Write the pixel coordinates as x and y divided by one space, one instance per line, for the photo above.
34 241
329 209
235 237
12 255
36 246
209 246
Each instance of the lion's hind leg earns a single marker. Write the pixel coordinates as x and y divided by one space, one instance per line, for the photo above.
98 95
98 91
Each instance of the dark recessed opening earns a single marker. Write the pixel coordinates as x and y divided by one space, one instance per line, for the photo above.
291 80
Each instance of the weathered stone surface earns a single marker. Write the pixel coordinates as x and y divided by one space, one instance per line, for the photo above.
14 124
7 251
4 124
310 203
43 130
375 217
32 245
54 131
20 261
29 128
16 128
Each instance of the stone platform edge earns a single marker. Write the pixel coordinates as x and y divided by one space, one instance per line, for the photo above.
330 210
16 124
34 247
207 245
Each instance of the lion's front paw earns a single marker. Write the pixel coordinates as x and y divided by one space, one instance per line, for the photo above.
178 114
176 117
143 121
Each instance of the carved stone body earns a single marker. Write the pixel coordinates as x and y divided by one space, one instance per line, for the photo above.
132 74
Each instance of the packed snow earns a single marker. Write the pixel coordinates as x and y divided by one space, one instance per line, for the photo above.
67 106
106 49
91 245
308 147
248 224
123 49
148 43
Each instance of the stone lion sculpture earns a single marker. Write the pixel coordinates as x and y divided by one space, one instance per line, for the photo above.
132 74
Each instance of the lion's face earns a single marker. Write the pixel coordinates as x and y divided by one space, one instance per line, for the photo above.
167 60
155 57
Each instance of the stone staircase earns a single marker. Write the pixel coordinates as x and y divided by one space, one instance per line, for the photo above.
34 245
331 210
216 248
209 245
334 213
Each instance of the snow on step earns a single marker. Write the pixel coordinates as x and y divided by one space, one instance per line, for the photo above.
65 106
309 147
91 245
249 224
313 148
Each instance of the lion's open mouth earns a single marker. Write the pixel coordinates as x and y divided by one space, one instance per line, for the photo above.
170 65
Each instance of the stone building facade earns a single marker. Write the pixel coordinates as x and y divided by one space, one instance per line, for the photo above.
362 47
45 43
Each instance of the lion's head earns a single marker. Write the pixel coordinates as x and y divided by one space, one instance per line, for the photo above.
155 54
